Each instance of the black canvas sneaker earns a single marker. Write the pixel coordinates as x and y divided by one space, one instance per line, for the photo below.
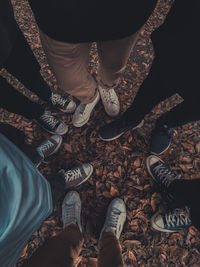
76 176
49 146
161 139
51 124
160 172
173 221
117 128
63 103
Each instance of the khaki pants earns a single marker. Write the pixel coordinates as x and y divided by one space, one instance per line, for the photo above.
64 249
69 62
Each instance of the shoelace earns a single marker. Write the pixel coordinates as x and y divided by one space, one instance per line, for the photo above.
71 175
165 175
69 215
114 219
178 217
58 99
49 119
43 148
109 96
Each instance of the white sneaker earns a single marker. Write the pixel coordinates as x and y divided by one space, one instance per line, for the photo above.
115 218
82 113
71 210
110 101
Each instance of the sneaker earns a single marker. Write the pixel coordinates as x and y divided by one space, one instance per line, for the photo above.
161 139
174 221
110 101
50 146
63 103
51 124
115 218
71 210
117 128
76 176
160 172
82 113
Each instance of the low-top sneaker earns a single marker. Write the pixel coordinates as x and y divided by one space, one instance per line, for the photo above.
63 103
83 112
52 124
71 210
160 172
161 139
173 221
49 146
76 176
110 101
117 128
115 218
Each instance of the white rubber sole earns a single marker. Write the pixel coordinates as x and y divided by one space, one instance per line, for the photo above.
90 173
117 136
156 227
148 165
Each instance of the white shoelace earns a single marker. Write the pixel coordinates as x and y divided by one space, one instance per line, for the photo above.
72 175
43 148
114 219
165 175
58 99
49 119
69 215
178 217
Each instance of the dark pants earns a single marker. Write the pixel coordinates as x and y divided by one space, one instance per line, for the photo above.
17 137
64 249
186 192
22 64
161 83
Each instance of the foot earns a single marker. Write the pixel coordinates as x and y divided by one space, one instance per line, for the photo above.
160 172
63 103
71 210
82 113
174 221
115 218
161 139
117 128
110 101
76 176
49 146
51 124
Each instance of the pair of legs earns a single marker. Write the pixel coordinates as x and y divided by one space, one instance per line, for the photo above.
64 249
22 64
161 83
69 63
182 193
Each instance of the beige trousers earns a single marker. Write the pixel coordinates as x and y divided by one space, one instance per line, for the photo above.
69 63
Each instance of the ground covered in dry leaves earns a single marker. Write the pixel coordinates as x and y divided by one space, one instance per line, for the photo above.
119 166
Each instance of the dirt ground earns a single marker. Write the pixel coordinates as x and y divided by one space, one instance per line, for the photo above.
119 166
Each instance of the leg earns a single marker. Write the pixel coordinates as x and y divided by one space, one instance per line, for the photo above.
13 101
109 246
154 89
109 251
62 251
69 63
23 65
17 137
113 57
